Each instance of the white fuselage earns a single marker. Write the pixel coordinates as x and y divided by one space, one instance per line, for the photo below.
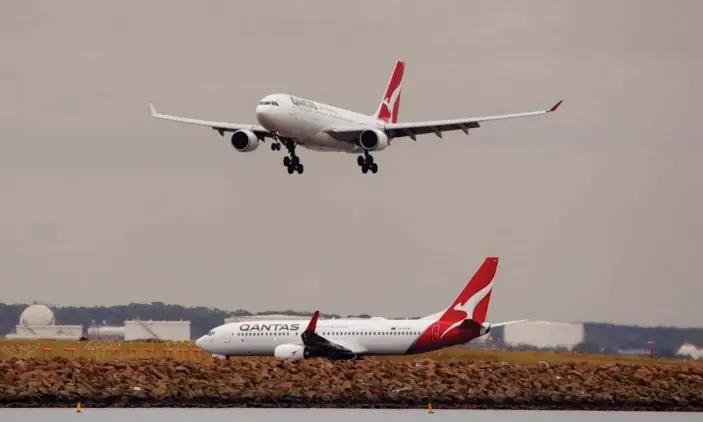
303 120
260 338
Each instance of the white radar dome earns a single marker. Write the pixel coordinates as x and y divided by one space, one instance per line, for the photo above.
37 315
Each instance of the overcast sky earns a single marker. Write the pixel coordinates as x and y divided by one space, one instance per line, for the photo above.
595 211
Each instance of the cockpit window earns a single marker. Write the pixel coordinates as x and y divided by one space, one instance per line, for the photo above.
272 103
211 333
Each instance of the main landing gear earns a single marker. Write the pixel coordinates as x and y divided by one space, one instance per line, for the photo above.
292 162
366 163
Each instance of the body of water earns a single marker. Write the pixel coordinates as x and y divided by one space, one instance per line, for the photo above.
336 415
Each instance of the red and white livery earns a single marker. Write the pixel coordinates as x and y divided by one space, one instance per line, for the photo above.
290 120
463 321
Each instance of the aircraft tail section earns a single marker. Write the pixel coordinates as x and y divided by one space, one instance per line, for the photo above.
472 302
390 103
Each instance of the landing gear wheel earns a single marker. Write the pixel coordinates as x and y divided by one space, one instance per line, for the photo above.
366 163
291 161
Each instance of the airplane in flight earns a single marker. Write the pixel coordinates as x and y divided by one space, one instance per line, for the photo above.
291 121
341 339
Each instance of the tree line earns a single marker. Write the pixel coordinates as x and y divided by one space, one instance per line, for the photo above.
202 319
598 337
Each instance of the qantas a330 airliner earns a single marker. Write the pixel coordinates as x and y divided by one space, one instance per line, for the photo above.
338 339
290 120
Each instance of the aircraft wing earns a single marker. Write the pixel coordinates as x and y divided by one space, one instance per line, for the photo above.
221 127
320 346
412 129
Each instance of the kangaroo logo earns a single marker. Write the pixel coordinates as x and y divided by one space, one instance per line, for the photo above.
468 306
388 109
389 102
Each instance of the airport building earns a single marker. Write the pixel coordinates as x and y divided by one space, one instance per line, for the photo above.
37 321
142 330
544 334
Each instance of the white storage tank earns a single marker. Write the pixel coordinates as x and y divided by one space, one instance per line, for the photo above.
544 334
106 331
156 330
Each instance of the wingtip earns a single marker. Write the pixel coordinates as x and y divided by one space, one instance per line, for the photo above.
152 110
556 106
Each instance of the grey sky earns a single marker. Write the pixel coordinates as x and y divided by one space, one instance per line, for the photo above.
594 210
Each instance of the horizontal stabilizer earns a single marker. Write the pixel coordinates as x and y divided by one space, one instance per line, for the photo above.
502 324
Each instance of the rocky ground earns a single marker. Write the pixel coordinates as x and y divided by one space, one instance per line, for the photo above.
163 382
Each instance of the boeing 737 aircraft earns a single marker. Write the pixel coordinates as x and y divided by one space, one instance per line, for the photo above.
290 121
338 339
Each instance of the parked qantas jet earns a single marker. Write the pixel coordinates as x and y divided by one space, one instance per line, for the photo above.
291 121
338 339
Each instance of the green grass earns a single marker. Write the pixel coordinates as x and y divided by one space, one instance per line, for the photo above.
97 349
140 349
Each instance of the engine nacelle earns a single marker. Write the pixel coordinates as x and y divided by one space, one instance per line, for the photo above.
245 141
291 352
373 140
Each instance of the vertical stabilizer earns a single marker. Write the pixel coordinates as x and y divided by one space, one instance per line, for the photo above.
472 302
390 103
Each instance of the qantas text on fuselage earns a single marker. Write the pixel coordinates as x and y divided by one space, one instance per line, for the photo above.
290 121
463 321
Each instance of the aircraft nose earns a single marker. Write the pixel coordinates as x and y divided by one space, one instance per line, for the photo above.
261 114
200 342
265 115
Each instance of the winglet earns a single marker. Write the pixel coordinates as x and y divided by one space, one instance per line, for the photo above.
556 106
152 110
313 323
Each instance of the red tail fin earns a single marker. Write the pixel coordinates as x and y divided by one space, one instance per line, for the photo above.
472 302
388 109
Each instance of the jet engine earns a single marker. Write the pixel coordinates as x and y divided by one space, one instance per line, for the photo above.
373 140
291 352
245 141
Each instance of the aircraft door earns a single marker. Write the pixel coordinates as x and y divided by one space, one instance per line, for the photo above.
435 332
228 337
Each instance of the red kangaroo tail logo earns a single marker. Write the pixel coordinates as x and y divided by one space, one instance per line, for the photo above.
472 302
388 109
